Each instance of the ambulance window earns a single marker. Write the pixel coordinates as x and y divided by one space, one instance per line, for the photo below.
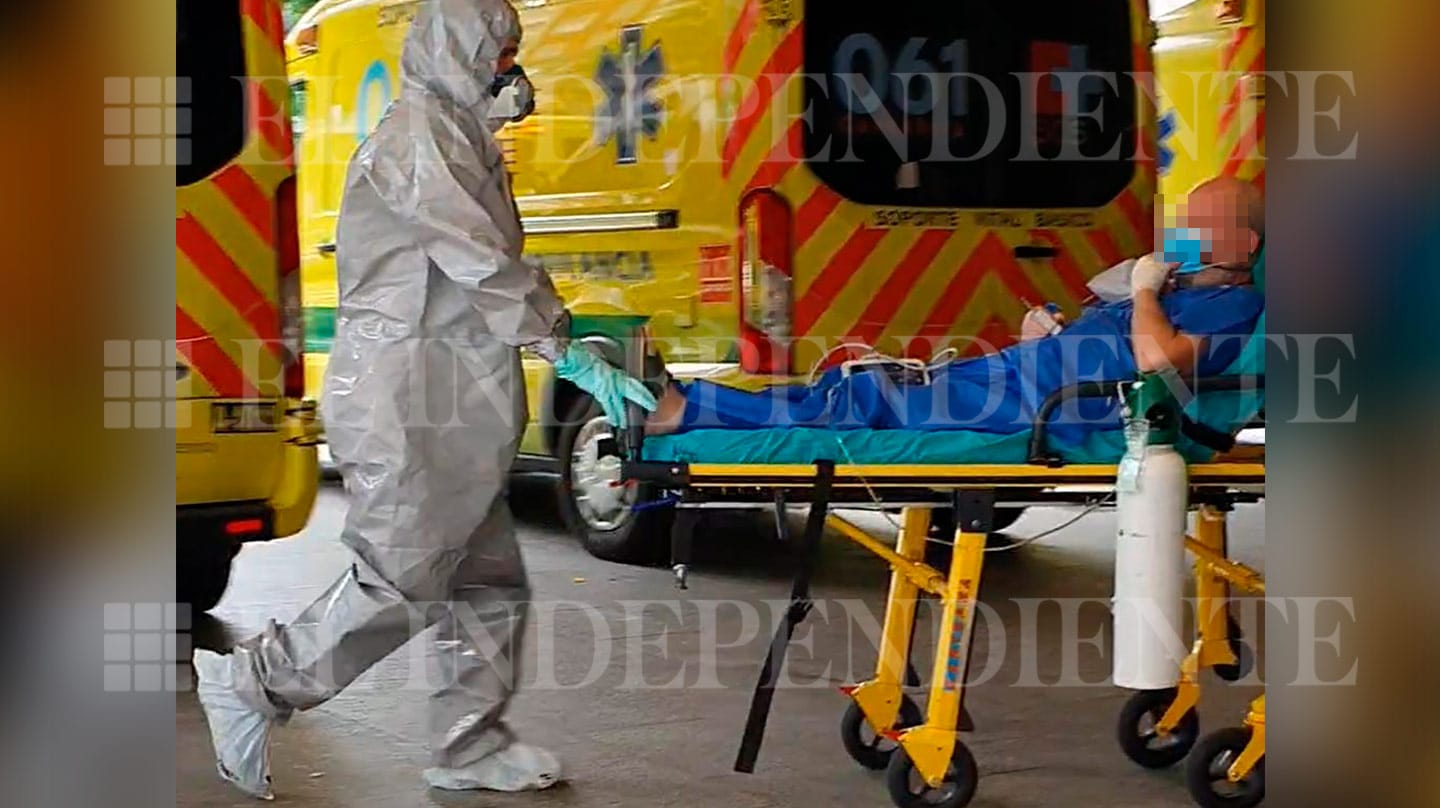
210 59
956 135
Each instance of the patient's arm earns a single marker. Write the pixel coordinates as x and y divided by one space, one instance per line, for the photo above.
1158 345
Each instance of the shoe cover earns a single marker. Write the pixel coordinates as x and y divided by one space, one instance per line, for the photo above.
517 767
239 732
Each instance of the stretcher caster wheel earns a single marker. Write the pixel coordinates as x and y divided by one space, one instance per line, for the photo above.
1207 772
909 790
1137 735
868 749
1245 658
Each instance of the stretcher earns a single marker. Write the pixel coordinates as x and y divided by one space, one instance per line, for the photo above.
926 763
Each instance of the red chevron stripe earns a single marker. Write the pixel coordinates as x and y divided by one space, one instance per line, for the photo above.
897 287
777 70
250 199
266 16
229 280
270 122
1104 245
204 356
813 212
1232 105
838 272
1135 213
1066 269
740 34
1249 143
1242 35
780 159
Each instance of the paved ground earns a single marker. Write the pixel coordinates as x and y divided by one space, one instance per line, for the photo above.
628 739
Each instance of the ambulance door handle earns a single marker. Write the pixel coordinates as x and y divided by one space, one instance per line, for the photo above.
1036 251
328 248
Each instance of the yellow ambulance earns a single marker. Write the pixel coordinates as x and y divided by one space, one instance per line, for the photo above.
759 183
245 465
1210 62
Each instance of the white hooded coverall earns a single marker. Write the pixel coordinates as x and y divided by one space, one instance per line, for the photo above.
424 400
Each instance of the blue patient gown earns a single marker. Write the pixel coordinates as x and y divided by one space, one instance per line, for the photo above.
997 393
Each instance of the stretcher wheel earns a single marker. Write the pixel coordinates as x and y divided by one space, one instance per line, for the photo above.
1136 730
868 749
1245 658
1206 772
908 790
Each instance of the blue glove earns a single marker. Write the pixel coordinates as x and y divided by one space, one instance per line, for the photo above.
609 386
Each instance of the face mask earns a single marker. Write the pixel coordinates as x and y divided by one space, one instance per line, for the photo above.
514 98
1186 246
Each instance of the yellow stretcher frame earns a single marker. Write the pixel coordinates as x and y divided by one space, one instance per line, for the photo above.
933 748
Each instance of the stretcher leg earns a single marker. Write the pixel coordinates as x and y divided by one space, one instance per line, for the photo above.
879 704
1212 594
879 698
945 768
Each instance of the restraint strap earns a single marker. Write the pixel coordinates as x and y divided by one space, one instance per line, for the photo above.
800 605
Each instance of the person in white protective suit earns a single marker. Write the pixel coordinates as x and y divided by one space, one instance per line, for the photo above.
424 405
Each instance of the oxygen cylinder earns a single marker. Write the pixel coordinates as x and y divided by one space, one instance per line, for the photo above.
1152 500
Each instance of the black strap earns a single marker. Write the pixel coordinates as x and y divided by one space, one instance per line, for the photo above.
800 605
1206 436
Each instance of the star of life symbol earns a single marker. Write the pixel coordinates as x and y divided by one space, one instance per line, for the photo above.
629 110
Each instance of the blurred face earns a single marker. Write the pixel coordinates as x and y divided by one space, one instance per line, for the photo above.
1218 217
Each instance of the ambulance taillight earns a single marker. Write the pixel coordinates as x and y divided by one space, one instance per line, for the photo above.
292 321
766 272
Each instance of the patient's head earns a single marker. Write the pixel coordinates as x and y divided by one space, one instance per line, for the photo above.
1229 216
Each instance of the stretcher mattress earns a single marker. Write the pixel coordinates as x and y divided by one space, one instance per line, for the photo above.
881 447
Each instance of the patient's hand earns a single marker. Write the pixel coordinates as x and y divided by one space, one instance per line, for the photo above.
667 416
1039 323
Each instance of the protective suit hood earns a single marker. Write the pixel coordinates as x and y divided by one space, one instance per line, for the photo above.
452 49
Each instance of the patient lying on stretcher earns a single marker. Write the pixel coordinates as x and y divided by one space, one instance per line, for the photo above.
1191 311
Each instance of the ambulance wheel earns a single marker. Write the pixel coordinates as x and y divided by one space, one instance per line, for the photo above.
909 790
595 508
1206 772
202 571
1245 658
1136 730
863 745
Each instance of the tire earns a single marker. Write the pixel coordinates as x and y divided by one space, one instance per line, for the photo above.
609 533
202 572
1137 742
958 788
874 752
1205 772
